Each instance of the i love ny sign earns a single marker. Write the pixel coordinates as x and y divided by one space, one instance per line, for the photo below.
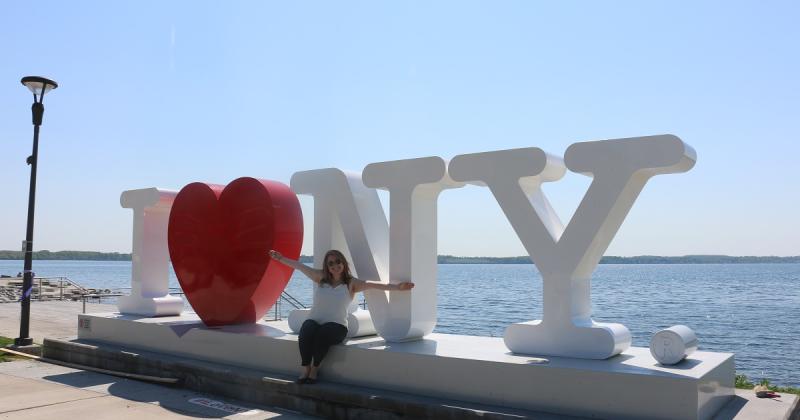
217 237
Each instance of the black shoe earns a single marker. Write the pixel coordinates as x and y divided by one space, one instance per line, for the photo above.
301 381
310 381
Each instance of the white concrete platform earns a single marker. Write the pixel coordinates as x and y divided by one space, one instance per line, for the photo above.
467 368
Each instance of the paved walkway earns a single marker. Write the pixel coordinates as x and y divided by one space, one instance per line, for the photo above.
35 390
56 319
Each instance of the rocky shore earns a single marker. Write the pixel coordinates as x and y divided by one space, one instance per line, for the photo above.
54 288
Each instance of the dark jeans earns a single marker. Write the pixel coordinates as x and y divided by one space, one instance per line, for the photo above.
316 339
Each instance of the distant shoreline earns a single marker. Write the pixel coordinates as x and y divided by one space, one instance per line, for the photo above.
445 259
641 259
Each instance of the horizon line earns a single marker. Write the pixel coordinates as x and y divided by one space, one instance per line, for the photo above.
459 256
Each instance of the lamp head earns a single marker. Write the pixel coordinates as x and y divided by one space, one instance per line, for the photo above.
38 85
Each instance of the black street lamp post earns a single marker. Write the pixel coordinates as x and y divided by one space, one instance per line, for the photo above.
39 86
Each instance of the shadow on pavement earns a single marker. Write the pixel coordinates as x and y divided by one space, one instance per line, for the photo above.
171 398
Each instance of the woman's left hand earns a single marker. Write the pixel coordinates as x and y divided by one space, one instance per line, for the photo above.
406 285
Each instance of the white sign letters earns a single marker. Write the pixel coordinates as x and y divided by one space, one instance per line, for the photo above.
567 256
150 257
348 216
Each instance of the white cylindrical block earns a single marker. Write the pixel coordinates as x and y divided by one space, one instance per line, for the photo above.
359 322
297 317
673 344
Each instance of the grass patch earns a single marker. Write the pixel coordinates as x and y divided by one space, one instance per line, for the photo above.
6 357
743 383
5 342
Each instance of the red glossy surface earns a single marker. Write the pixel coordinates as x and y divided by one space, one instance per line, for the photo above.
219 237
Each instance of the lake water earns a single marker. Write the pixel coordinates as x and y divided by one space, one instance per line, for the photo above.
747 309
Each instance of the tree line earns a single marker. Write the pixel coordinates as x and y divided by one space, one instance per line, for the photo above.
442 259
641 259
67 255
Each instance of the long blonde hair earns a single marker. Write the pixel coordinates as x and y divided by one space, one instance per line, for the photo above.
327 277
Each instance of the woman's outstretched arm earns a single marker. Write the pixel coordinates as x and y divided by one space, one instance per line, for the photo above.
314 275
361 285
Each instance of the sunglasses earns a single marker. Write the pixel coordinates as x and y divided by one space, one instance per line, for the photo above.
331 263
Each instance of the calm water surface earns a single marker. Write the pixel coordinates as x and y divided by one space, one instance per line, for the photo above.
747 309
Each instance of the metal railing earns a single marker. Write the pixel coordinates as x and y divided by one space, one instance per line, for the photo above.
284 297
85 294
98 296
63 282
296 304
291 300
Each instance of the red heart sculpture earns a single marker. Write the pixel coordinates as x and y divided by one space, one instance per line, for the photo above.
219 238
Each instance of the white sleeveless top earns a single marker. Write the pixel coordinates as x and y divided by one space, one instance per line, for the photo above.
330 304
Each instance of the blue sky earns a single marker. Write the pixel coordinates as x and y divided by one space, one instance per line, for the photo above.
167 93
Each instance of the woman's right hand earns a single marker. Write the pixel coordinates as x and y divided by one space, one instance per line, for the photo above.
275 255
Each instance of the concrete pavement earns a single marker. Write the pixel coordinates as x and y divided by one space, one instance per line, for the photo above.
35 390
56 319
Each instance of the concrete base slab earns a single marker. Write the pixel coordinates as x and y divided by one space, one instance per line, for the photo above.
746 406
325 399
463 368
33 349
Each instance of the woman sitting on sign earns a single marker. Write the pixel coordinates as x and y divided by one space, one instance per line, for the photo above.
327 322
